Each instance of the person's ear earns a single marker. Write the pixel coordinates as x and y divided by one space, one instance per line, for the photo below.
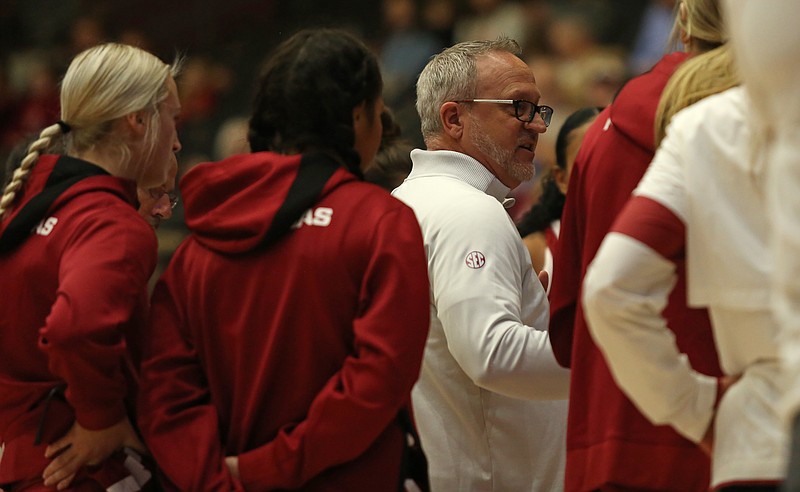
452 119
359 112
683 13
360 121
136 123
561 179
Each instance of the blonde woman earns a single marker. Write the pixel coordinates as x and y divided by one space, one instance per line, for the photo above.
76 257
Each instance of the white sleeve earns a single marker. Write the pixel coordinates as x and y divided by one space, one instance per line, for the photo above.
481 309
784 209
625 290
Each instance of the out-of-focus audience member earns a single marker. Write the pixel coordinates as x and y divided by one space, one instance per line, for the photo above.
653 34
392 163
610 443
405 50
540 226
490 19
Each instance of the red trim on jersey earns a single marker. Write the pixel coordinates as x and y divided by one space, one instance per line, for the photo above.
655 225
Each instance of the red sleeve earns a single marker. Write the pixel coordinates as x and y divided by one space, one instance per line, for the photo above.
176 416
374 382
653 224
103 275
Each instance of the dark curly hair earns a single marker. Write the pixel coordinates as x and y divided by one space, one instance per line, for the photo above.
307 91
551 203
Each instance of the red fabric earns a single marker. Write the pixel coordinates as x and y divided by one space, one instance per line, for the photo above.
608 441
653 224
550 238
296 358
72 303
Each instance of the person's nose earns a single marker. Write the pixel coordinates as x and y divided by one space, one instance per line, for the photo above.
163 207
537 124
176 145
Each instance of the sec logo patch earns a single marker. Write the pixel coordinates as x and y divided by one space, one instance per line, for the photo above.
475 260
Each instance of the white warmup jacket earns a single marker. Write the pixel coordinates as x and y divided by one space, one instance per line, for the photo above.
488 353
701 177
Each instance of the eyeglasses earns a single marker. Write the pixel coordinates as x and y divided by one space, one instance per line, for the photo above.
524 110
157 193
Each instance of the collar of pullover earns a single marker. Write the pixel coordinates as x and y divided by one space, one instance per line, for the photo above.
461 167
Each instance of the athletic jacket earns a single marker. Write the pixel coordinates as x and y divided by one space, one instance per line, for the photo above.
608 440
702 194
488 358
288 330
75 257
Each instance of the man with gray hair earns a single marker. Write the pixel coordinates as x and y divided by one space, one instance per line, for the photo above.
488 357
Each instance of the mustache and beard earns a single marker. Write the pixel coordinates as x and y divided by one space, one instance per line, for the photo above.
520 171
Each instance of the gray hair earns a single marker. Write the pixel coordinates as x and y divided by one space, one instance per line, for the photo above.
452 75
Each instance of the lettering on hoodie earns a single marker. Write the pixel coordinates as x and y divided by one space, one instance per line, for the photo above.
45 227
320 217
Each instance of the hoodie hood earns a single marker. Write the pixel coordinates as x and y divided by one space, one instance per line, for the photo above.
53 181
252 200
633 111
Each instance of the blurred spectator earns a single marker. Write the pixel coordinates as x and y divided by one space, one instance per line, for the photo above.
201 86
439 17
406 49
392 163
653 36
490 19
35 103
86 32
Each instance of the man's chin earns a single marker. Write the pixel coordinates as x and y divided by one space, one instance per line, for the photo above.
524 171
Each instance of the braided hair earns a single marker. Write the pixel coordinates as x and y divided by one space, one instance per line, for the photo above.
551 203
102 84
307 92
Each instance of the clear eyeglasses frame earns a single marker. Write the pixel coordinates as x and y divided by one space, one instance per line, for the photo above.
524 111
157 193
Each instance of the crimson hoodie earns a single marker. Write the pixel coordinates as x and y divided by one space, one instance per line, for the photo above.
609 442
288 330
75 257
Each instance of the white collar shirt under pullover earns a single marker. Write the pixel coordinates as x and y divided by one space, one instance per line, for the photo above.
488 352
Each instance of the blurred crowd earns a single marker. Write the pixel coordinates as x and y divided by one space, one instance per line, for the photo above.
581 52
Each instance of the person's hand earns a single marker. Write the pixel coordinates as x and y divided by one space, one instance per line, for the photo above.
544 278
232 462
723 385
80 447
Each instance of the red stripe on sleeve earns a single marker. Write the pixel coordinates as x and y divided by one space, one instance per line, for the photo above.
655 225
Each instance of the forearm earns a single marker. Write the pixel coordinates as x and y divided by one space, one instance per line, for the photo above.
501 354
626 288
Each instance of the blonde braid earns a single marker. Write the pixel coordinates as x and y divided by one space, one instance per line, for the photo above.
44 142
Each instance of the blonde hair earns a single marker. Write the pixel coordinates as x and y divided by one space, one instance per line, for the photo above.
697 78
703 24
102 84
